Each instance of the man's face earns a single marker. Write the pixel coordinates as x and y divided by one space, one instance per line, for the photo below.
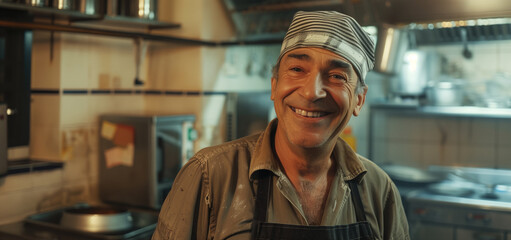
314 96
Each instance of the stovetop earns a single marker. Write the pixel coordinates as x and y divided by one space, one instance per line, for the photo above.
46 226
465 209
478 198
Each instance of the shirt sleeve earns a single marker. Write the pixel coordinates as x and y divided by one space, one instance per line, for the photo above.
395 222
184 214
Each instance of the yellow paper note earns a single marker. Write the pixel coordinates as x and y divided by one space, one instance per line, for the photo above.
108 130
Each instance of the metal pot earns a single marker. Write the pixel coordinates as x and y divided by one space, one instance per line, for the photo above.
66 4
38 3
146 9
97 219
84 6
445 93
417 68
92 7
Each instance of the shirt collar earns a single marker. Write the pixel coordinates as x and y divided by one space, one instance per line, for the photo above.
264 159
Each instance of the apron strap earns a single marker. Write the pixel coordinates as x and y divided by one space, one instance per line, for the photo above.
262 200
357 201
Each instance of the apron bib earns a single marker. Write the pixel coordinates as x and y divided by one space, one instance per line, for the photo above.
262 230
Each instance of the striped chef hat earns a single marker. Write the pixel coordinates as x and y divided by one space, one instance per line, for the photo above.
333 31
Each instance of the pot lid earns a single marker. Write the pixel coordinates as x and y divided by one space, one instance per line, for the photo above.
452 188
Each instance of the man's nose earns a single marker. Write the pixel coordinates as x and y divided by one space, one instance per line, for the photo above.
314 88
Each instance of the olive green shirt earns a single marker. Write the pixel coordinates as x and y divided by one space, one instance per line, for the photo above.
213 195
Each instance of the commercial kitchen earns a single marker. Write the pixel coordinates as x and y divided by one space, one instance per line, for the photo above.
103 101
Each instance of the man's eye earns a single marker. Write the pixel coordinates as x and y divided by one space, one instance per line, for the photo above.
296 69
338 77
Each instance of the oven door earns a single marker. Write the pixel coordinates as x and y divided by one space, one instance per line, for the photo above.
476 234
427 231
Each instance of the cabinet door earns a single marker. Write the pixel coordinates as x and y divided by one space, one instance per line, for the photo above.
422 231
476 234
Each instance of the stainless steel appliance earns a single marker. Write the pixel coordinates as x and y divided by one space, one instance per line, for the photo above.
417 69
138 224
3 139
461 210
142 174
392 44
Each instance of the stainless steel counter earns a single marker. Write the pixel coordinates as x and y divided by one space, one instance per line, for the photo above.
20 231
453 111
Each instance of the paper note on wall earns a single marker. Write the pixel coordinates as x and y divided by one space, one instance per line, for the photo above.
119 156
108 130
124 135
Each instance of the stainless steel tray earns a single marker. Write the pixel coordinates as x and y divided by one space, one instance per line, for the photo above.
143 221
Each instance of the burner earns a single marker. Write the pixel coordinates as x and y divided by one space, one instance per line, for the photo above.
490 195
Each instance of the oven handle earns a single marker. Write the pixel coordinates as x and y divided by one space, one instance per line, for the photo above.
485 218
487 236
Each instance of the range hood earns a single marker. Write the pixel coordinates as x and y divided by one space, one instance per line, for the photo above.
263 19
270 19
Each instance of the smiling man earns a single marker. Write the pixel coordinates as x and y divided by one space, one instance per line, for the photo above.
297 179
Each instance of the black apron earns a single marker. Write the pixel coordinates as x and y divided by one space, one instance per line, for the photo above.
262 230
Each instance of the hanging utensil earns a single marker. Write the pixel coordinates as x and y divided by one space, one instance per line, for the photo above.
140 51
466 52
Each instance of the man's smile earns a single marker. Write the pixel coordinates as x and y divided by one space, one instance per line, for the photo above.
309 114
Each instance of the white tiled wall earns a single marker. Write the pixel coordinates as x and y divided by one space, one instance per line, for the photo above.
421 141
429 140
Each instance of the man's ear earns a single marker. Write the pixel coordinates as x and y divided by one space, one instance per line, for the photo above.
361 98
273 86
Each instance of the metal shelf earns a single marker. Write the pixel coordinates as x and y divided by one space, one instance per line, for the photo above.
114 26
96 21
449 111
